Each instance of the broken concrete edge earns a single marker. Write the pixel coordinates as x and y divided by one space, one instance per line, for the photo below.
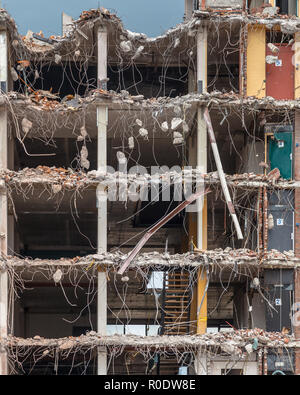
232 259
15 101
232 343
56 44
60 179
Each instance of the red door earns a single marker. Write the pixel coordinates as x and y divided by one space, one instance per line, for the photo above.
280 76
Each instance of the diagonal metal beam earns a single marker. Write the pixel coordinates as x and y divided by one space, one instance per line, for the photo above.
157 226
215 150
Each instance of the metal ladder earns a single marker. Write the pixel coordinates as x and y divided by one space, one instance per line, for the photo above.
176 303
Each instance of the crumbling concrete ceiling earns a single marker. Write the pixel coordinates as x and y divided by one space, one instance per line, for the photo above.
41 200
121 120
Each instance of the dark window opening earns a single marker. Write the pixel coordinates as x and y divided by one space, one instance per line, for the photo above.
62 80
232 372
223 77
66 150
277 37
149 81
149 212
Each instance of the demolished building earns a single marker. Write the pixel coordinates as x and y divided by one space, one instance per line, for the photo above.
103 133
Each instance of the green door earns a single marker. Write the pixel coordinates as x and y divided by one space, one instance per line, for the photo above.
280 153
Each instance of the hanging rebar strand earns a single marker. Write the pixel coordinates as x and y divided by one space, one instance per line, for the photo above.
259 223
265 214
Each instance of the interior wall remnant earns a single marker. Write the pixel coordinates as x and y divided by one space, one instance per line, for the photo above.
200 365
252 155
240 309
279 286
258 312
256 61
255 4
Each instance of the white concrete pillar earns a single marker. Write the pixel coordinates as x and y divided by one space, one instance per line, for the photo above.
202 209
3 204
202 166
188 9
201 126
102 58
202 59
67 21
102 121
201 365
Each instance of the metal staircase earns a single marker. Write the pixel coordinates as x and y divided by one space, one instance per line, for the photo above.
176 303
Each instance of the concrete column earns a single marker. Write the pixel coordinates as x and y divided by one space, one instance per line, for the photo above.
188 9
67 21
3 204
202 166
201 365
102 120
202 209
202 59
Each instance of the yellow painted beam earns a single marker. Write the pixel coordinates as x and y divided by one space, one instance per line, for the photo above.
296 62
202 316
272 2
193 237
256 61
199 324
202 279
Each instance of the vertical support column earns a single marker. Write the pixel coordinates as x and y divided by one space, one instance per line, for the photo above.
3 205
202 59
102 120
188 9
201 365
67 21
202 166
